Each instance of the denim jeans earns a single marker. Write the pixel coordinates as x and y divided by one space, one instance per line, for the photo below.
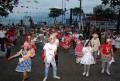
47 65
95 55
8 51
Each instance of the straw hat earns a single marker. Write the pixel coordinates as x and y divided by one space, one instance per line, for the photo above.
95 35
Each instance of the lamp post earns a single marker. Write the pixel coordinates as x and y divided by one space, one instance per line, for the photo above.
80 14
62 12
118 23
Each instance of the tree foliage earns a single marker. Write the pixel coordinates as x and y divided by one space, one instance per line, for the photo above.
112 2
55 12
6 7
107 14
76 11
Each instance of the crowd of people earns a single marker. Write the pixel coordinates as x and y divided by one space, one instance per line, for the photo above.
89 43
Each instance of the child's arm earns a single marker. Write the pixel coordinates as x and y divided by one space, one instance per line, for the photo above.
16 55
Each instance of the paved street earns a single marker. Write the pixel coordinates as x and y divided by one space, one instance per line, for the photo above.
68 70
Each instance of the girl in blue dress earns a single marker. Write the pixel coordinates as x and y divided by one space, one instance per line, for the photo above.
24 64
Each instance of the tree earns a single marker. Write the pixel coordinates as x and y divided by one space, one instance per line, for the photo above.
55 12
76 11
114 3
107 14
6 7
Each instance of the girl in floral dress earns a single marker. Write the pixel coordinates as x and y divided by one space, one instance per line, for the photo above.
24 64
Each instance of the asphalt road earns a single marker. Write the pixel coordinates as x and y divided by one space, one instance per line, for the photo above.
68 70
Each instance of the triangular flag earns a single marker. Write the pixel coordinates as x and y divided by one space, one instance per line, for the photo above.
26 6
17 3
22 6
67 0
28 0
36 1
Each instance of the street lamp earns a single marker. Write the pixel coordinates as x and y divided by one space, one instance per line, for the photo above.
80 14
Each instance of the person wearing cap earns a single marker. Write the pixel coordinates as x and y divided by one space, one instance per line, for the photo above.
24 64
50 50
95 42
106 55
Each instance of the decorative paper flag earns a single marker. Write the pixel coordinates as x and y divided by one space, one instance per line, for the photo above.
28 0
68 0
26 6
22 6
17 3
36 1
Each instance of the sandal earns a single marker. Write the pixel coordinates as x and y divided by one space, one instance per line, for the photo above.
26 77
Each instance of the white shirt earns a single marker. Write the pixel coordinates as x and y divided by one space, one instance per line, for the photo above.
76 35
50 51
2 34
56 42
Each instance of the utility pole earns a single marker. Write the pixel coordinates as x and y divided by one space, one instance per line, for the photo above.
62 12
71 16
80 14
118 23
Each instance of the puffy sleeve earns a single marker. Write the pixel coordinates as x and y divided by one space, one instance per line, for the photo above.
84 50
27 56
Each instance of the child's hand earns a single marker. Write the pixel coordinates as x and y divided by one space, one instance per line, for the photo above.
9 58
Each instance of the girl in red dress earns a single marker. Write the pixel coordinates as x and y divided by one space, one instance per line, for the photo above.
78 48
66 41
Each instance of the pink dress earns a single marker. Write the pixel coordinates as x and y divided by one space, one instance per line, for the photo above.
78 49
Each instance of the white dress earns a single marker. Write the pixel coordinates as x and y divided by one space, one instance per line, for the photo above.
87 58
117 44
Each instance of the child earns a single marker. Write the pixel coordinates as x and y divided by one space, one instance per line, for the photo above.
87 58
24 64
78 49
50 50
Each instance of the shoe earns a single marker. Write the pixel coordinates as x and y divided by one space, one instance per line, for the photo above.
108 72
102 71
87 74
84 73
45 79
56 77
